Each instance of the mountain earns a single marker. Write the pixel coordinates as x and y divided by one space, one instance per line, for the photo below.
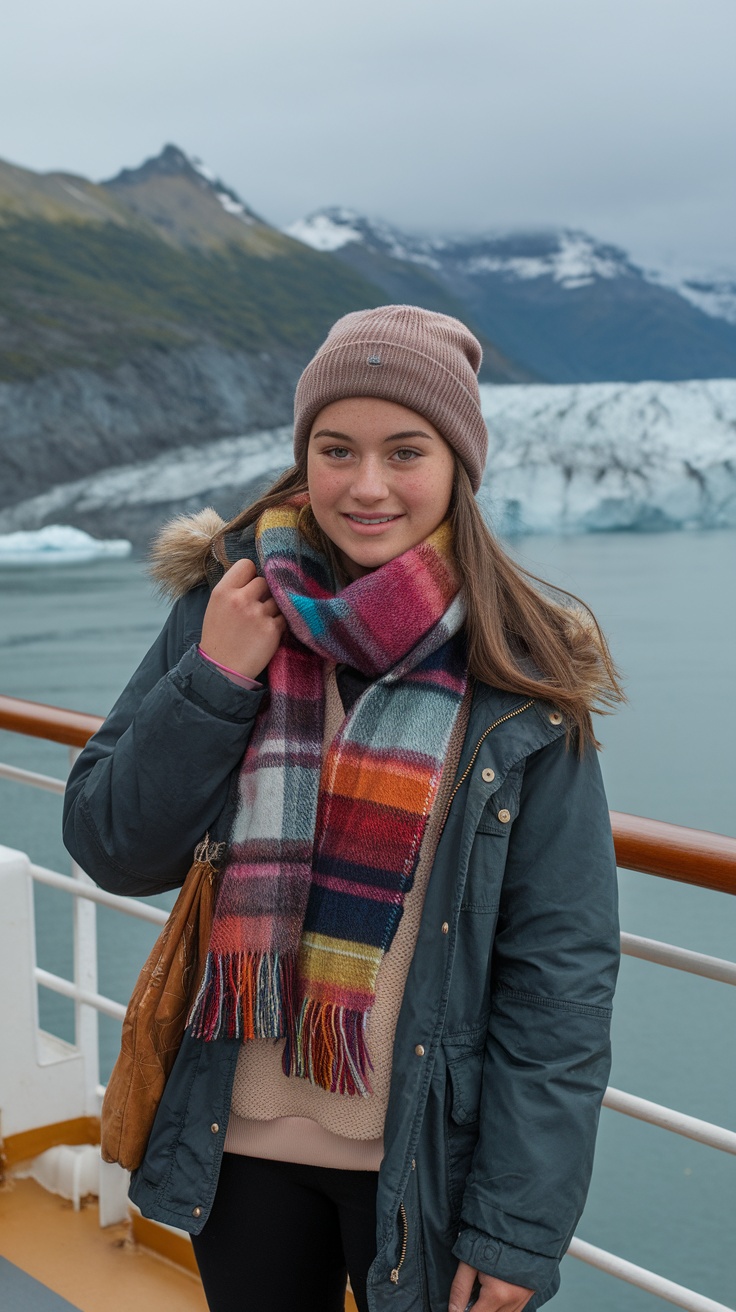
190 207
560 304
158 257
145 312
150 310
566 458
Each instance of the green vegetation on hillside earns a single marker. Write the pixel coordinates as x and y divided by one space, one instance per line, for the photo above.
84 294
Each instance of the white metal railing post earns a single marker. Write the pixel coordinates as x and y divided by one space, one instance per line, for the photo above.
86 1018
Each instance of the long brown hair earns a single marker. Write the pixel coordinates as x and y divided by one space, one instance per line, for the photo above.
523 634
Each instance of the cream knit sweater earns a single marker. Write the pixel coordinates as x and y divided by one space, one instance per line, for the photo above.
288 1119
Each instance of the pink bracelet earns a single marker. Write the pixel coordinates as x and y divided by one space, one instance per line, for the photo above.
243 680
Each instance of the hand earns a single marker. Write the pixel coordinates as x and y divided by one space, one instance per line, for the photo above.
495 1295
243 626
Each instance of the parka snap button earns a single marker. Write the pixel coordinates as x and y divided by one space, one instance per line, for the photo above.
555 717
419 1050
488 776
504 816
215 1127
445 927
196 1211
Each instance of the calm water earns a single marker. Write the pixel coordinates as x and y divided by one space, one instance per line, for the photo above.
71 637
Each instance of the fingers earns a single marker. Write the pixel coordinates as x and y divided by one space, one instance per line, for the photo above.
462 1287
238 575
495 1295
242 626
259 588
500 1296
243 575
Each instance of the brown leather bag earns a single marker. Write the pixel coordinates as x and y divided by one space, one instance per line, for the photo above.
157 1015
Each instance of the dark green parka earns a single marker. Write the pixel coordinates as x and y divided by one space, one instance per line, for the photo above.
501 1054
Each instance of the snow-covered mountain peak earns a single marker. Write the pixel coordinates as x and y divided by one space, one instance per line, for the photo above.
174 162
336 226
570 258
228 198
326 230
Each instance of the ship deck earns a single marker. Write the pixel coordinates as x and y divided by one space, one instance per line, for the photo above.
57 1259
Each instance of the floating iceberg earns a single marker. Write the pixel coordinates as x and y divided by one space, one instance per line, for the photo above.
58 544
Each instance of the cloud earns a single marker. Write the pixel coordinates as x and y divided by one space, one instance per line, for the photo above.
616 116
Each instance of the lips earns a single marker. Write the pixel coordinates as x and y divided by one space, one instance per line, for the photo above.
371 526
372 519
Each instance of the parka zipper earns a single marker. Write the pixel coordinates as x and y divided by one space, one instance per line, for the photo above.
509 716
404 1242
501 720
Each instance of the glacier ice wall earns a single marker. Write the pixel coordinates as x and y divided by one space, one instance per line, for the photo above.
562 459
604 456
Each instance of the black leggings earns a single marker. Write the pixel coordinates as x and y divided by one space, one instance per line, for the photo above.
284 1237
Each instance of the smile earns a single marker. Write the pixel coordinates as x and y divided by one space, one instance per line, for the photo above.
365 519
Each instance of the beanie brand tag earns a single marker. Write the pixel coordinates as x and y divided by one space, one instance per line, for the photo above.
374 359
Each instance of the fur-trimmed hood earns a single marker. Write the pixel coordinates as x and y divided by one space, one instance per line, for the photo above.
182 554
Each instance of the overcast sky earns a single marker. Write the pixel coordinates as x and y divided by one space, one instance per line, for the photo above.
616 116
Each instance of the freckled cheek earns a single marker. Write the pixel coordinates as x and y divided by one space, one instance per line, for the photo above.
325 486
426 492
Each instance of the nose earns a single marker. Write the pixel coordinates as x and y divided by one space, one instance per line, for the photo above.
369 481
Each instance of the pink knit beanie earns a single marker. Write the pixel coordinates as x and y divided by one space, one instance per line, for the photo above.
420 359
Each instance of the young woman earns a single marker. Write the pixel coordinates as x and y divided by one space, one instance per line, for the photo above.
395 1063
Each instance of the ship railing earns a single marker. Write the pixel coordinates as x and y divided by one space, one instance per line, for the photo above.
691 856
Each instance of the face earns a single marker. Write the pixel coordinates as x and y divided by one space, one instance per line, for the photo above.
380 479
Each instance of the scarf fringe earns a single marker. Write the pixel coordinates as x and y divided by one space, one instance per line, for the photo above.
328 1048
244 995
248 995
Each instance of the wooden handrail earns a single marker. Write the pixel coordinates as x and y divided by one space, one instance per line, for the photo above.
38 721
690 856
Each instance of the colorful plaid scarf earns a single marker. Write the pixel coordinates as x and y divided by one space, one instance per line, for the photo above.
322 854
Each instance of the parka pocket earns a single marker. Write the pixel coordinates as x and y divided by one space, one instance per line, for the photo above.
464 1082
490 846
465 1074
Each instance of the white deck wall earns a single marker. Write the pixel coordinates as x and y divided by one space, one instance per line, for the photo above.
42 1078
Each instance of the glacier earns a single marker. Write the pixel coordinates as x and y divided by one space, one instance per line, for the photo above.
564 458
581 458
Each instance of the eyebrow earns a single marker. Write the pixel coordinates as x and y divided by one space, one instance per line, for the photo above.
393 437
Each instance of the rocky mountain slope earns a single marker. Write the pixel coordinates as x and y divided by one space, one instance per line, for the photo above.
562 305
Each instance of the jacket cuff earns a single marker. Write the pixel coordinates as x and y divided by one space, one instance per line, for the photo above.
203 684
241 680
517 1266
